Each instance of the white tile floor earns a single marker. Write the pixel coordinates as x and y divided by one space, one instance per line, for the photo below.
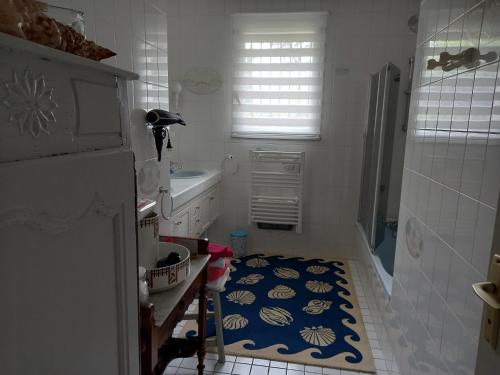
382 354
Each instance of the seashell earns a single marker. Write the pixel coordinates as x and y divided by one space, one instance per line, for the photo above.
257 263
253 278
243 297
286 273
281 292
317 270
317 306
318 286
275 316
232 268
234 321
318 336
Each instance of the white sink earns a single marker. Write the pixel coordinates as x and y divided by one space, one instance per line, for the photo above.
186 173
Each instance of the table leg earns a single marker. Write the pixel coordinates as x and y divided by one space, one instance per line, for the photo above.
202 321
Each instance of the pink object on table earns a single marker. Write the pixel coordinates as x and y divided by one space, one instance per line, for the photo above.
220 259
218 251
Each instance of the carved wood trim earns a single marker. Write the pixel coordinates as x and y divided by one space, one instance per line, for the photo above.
45 222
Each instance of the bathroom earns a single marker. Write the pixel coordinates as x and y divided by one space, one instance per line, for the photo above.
413 218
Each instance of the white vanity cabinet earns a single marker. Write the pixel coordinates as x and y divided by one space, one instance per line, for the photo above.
195 217
68 257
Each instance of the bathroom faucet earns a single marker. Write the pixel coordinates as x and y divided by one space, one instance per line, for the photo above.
174 167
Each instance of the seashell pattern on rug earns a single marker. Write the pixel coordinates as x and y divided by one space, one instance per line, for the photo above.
251 279
317 306
318 286
275 316
286 273
243 297
257 263
318 336
281 292
234 321
317 270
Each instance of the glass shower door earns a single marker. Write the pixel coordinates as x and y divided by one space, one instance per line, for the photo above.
377 157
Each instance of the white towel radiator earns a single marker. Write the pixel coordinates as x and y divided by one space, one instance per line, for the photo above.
276 188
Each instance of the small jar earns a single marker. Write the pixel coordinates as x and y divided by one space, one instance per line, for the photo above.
143 286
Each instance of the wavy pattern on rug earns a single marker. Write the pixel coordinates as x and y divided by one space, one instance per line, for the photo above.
293 309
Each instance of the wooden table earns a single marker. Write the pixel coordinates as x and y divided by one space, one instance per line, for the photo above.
160 316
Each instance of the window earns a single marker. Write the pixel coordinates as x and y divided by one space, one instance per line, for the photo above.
278 75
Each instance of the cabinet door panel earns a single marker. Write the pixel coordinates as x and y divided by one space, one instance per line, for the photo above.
214 204
68 265
180 224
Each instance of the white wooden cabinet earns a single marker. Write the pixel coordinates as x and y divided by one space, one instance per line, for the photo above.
68 257
196 216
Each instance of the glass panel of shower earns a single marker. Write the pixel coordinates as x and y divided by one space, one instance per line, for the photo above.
382 169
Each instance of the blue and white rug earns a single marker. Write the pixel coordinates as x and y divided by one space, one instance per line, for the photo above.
293 310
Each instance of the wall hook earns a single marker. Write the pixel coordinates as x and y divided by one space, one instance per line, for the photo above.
469 58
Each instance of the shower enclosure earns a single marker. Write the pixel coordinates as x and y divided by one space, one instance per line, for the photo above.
382 170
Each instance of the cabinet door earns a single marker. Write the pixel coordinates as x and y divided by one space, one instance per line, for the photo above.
68 266
195 218
180 224
205 213
214 204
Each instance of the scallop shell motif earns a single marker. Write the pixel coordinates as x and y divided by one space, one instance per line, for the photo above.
318 286
234 321
281 292
275 316
243 297
253 278
318 336
317 306
317 270
286 273
257 263
232 268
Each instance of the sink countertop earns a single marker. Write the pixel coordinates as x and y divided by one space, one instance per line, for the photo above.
185 189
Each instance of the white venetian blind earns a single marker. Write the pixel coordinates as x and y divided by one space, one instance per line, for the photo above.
278 74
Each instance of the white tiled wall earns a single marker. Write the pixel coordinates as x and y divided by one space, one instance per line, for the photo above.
450 190
137 31
362 36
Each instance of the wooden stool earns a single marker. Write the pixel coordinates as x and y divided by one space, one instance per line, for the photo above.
214 294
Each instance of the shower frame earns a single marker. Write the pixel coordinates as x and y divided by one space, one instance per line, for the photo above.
375 204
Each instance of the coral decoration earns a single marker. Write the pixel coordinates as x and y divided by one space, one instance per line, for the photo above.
26 19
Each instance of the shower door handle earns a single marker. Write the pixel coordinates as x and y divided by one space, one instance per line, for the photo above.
489 292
